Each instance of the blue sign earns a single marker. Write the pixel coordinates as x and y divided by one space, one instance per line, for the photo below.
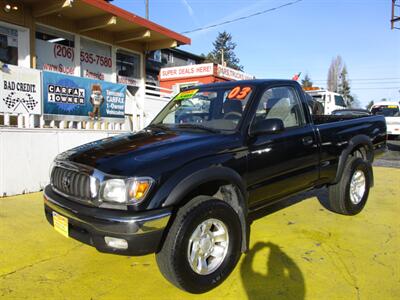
66 95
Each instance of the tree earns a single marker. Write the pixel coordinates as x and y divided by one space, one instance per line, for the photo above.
344 86
354 102
223 45
306 82
369 105
334 73
338 80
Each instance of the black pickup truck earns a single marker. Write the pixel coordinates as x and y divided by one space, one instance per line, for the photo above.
187 185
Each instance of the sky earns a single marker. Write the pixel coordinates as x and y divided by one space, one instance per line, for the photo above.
303 37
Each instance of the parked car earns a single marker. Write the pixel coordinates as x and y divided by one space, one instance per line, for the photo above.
187 188
391 112
351 112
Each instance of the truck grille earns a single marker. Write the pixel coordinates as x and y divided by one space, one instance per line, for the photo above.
71 183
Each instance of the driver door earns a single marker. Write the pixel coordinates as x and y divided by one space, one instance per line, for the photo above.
281 163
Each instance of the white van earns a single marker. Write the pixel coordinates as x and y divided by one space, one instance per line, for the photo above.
391 111
330 100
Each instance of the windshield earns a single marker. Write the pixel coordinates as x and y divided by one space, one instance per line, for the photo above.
212 109
386 110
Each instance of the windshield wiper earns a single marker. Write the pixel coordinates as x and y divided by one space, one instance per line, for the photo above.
198 126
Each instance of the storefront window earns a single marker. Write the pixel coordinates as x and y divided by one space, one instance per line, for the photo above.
95 60
8 46
54 51
155 55
128 64
128 70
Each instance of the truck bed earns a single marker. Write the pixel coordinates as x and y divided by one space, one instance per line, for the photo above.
323 119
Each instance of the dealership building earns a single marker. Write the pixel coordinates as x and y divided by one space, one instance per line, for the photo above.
79 38
71 71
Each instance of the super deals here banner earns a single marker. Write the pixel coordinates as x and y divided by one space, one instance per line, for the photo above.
65 95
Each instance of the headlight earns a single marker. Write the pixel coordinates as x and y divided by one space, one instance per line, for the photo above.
114 191
126 191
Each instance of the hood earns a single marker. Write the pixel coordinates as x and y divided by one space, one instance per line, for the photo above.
148 152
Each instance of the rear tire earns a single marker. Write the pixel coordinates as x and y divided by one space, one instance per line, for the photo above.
183 257
350 194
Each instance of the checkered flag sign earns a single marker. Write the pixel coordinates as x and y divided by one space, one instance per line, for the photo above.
28 103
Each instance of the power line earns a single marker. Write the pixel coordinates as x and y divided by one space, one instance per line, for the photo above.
377 88
367 83
242 18
363 79
375 83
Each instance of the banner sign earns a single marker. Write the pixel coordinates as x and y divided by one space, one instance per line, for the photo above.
65 95
232 74
20 90
55 57
187 71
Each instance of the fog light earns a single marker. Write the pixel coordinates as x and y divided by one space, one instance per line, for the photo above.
116 243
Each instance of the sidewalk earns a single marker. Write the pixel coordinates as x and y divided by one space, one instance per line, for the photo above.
301 252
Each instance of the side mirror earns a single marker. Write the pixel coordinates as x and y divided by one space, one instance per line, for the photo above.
268 126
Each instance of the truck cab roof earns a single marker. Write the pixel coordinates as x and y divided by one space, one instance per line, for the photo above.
253 82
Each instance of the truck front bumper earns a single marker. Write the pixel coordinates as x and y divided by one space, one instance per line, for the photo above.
143 231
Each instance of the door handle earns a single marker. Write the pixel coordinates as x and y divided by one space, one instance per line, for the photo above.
307 140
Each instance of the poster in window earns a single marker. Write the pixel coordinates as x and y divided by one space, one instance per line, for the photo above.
55 57
96 62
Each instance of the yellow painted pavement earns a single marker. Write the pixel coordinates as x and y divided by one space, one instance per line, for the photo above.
300 252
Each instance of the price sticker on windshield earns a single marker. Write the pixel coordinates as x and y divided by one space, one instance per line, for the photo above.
239 93
186 95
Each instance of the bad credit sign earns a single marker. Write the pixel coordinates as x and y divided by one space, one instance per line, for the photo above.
187 71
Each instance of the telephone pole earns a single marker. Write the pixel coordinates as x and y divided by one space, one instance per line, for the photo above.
147 9
395 20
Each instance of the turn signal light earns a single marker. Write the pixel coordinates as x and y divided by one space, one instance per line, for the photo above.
139 188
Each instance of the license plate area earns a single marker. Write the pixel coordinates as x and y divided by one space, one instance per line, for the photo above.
60 224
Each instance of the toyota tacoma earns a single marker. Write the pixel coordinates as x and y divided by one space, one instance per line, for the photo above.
186 186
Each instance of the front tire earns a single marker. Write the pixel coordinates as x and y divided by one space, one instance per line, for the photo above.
350 194
203 245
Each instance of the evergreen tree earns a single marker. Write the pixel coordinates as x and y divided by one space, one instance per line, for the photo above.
223 45
344 86
306 82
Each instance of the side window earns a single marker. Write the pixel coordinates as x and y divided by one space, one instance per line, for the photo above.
281 103
339 101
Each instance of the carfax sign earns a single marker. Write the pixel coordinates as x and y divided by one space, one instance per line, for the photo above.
65 95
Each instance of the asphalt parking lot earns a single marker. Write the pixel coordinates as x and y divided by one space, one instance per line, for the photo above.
392 157
300 252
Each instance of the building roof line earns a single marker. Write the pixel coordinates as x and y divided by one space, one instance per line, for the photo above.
119 12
